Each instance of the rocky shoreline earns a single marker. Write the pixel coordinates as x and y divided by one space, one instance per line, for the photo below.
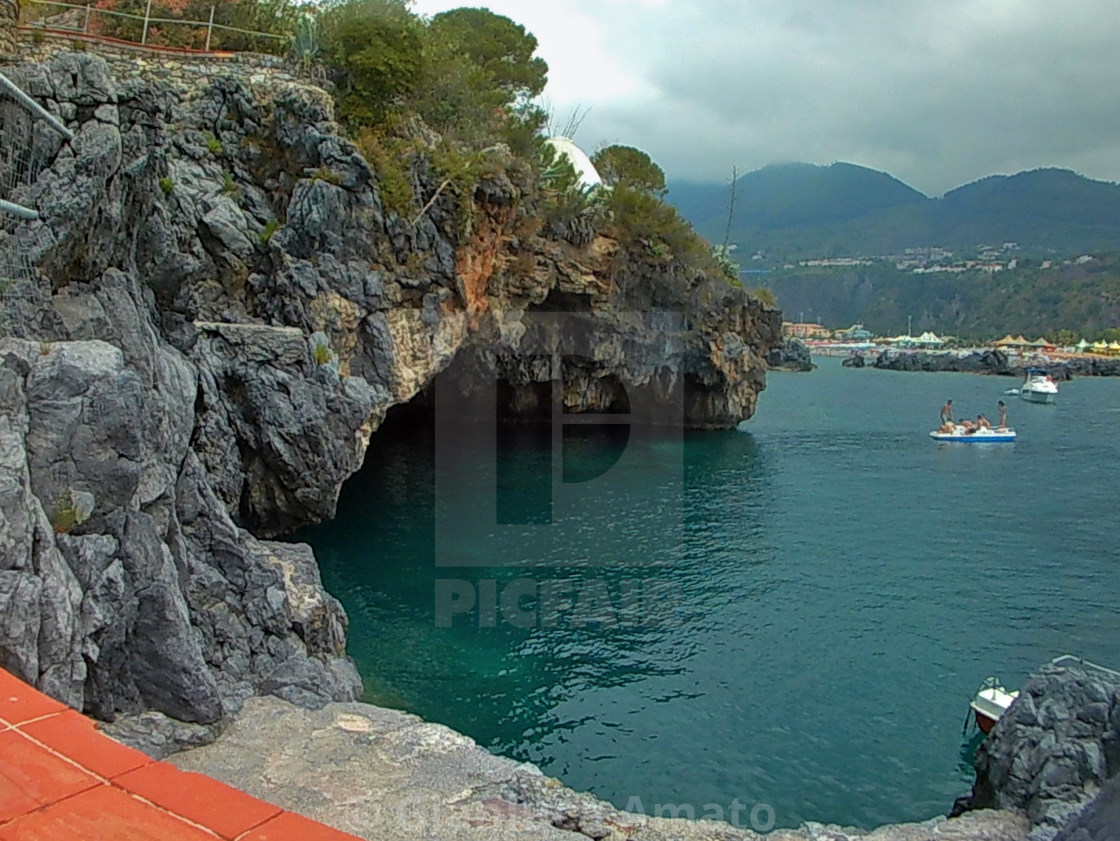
1049 771
994 362
381 774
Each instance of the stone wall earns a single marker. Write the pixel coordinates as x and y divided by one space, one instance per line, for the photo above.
9 14
181 67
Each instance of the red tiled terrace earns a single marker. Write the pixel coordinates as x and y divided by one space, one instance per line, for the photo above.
60 779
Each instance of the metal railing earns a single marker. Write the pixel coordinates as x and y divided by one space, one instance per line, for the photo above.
25 150
1074 660
89 23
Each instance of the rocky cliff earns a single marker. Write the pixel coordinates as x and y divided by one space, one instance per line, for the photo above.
1051 755
225 309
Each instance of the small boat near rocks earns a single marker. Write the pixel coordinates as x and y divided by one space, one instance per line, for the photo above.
992 699
975 436
990 703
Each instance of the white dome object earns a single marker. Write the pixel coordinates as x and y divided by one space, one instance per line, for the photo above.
585 170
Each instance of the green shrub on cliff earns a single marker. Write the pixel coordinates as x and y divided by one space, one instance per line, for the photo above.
478 77
266 234
229 186
374 49
322 353
631 167
640 220
325 173
500 50
390 158
471 76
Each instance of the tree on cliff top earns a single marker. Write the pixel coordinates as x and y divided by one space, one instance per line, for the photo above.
375 48
629 166
478 79
501 50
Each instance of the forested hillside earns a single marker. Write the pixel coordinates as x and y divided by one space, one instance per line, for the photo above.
799 211
1080 297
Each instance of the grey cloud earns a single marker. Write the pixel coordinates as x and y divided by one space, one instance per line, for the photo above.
937 93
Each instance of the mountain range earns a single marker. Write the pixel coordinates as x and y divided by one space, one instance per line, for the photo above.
796 211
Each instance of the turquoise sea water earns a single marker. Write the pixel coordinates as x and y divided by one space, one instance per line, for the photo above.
846 583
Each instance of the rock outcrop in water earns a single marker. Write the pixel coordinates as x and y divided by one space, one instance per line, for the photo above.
992 362
1053 750
793 355
977 362
225 311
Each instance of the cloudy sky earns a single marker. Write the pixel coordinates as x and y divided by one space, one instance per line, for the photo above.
936 92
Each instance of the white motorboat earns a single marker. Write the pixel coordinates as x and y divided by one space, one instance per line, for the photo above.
1000 435
992 700
990 703
1038 387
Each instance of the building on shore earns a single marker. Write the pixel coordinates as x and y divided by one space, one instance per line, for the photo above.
804 330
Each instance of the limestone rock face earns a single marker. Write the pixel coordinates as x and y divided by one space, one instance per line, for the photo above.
225 310
1053 749
1099 821
125 584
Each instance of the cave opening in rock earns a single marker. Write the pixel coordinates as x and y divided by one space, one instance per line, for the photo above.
535 443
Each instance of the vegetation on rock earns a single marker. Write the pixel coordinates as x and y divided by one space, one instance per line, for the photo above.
439 95
276 17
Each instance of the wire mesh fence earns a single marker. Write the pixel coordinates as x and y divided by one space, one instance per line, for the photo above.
145 23
29 140
20 295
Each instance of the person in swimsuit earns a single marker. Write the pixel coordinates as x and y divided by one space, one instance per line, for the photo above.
947 412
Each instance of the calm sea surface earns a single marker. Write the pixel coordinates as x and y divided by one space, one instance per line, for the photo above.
847 584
